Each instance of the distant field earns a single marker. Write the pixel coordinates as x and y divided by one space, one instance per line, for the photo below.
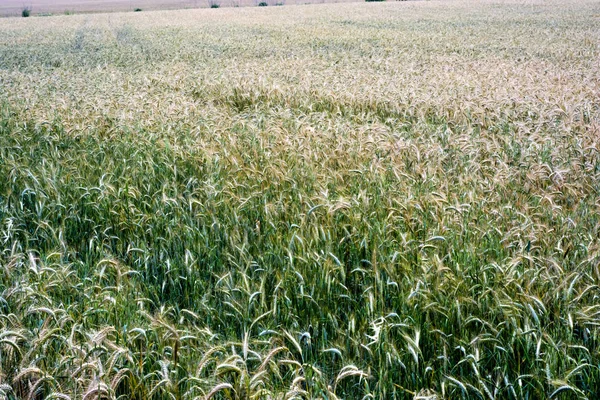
14 7
392 200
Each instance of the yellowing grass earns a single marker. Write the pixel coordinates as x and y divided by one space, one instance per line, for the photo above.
342 200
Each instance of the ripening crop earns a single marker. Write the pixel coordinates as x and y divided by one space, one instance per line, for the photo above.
393 200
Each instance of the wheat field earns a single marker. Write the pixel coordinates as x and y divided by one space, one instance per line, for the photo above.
394 200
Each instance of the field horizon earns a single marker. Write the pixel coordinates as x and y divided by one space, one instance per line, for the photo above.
395 200
14 8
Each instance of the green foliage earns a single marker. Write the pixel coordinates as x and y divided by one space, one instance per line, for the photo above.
263 4
389 210
137 9
26 12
